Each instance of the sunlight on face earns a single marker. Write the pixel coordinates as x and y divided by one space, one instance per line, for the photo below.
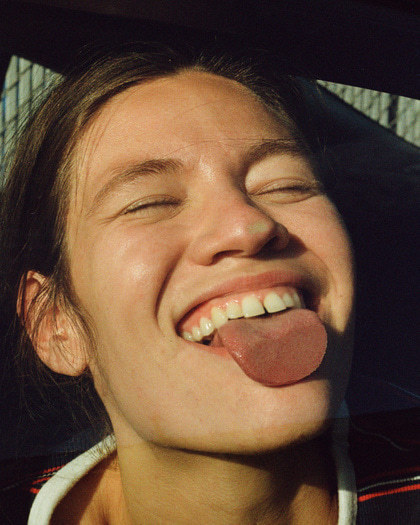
189 193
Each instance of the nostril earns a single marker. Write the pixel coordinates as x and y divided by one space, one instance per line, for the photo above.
236 232
278 240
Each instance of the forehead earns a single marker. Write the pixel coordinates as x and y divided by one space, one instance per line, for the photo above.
182 108
183 115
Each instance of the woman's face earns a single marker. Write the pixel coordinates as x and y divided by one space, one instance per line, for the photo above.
186 199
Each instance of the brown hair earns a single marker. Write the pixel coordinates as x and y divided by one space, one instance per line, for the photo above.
36 193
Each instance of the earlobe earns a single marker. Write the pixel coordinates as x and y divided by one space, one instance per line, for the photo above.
53 335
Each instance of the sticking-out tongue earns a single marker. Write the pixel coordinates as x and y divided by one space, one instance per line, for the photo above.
276 350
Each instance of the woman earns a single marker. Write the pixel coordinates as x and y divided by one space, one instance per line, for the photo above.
172 241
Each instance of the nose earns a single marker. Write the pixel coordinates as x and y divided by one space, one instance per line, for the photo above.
236 227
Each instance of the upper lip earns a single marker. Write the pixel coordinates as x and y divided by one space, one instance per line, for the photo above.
250 282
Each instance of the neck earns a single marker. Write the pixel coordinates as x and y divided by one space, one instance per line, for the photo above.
292 486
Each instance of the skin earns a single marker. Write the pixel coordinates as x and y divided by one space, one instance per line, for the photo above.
188 423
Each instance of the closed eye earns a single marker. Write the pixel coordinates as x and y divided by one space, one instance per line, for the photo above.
290 191
153 207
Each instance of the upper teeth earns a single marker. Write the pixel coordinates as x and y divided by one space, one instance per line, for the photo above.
250 306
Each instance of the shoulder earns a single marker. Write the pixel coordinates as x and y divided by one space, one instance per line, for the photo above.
88 502
385 450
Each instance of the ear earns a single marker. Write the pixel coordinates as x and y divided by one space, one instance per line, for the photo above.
53 335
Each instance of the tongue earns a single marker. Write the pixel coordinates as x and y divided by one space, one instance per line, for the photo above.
276 350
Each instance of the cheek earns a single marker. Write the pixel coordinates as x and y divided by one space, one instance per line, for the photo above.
122 265
320 228
336 249
118 279
327 247
332 244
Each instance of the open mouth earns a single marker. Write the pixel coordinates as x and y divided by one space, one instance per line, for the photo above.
270 333
201 325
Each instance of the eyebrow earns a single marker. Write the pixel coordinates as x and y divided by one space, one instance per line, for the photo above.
256 153
130 173
268 147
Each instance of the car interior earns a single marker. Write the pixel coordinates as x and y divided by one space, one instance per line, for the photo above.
370 44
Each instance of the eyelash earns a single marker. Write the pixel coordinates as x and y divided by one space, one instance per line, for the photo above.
304 187
150 203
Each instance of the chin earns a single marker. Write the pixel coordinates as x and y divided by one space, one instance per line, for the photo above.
292 429
281 418
267 440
